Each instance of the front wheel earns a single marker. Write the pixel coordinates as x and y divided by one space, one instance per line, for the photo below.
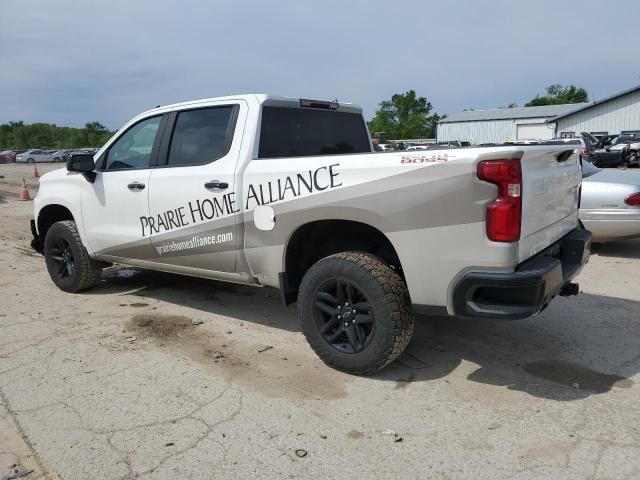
68 262
355 312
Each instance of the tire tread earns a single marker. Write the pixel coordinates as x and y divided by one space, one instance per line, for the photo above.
396 295
89 270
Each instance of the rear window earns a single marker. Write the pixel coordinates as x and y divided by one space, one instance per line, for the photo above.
300 132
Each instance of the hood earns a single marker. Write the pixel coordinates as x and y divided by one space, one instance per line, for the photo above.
54 175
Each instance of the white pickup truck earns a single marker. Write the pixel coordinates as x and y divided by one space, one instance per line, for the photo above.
288 193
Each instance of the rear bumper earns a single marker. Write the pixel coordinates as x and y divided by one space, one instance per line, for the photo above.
527 290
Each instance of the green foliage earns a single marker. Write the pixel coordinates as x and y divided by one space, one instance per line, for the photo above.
559 95
44 135
405 116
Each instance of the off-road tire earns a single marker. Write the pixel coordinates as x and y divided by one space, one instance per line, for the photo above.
390 301
85 271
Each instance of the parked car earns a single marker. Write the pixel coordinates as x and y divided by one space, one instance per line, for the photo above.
356 238
7 156
582 143
417 147
382 147
61 155
34 156
618 151
450 144
523 141
610 203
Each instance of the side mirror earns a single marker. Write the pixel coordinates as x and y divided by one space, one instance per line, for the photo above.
82 163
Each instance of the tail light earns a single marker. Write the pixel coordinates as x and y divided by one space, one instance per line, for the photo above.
585 152
633 200
504 214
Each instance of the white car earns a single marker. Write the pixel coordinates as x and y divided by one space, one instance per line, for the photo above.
610 203
287 193
383 147
35 156
417 147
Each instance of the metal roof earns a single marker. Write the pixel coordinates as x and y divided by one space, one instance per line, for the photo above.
599 102
545 111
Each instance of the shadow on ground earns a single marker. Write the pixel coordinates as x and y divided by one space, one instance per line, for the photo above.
578 347
210 296
619 249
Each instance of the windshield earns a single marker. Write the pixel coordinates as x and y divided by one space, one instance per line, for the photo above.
588 169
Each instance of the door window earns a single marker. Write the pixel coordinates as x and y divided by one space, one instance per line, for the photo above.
133 149
201 136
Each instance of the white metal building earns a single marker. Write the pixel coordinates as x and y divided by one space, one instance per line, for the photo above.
612 115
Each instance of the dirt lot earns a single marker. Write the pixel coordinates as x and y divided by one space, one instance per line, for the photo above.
119 382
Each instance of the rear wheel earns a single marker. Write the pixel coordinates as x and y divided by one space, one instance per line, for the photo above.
68 262
355 312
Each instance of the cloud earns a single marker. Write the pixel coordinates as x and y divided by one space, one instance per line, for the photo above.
69 62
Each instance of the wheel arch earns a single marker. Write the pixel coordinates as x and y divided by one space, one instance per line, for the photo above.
50 214
327 237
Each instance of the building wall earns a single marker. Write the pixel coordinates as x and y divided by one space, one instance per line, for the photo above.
622 113
489 131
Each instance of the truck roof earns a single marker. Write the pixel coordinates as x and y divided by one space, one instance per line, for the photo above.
262 98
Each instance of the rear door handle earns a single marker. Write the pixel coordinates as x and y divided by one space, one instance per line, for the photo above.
136 186
216 185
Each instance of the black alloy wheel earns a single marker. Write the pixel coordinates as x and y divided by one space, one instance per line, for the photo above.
355 311
344 316
67 260
62 255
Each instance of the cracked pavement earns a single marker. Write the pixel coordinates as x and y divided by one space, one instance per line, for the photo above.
118 382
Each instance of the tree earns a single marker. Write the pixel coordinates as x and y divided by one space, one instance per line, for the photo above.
405 116
559 95
45 135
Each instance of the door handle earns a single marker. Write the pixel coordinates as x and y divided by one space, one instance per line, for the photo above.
216 185
136 186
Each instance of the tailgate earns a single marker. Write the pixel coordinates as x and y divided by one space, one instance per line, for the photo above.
550 192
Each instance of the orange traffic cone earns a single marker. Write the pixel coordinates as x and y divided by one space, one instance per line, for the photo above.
35 173
24 194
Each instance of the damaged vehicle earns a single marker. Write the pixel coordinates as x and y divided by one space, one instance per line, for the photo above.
618 151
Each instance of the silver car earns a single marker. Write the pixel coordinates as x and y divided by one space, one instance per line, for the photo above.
34 156
610 203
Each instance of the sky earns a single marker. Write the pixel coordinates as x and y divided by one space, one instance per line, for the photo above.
69 62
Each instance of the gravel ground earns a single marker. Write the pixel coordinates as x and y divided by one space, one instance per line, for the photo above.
158 376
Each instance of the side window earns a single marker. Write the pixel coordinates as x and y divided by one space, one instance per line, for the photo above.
300 132
201 136
133 149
